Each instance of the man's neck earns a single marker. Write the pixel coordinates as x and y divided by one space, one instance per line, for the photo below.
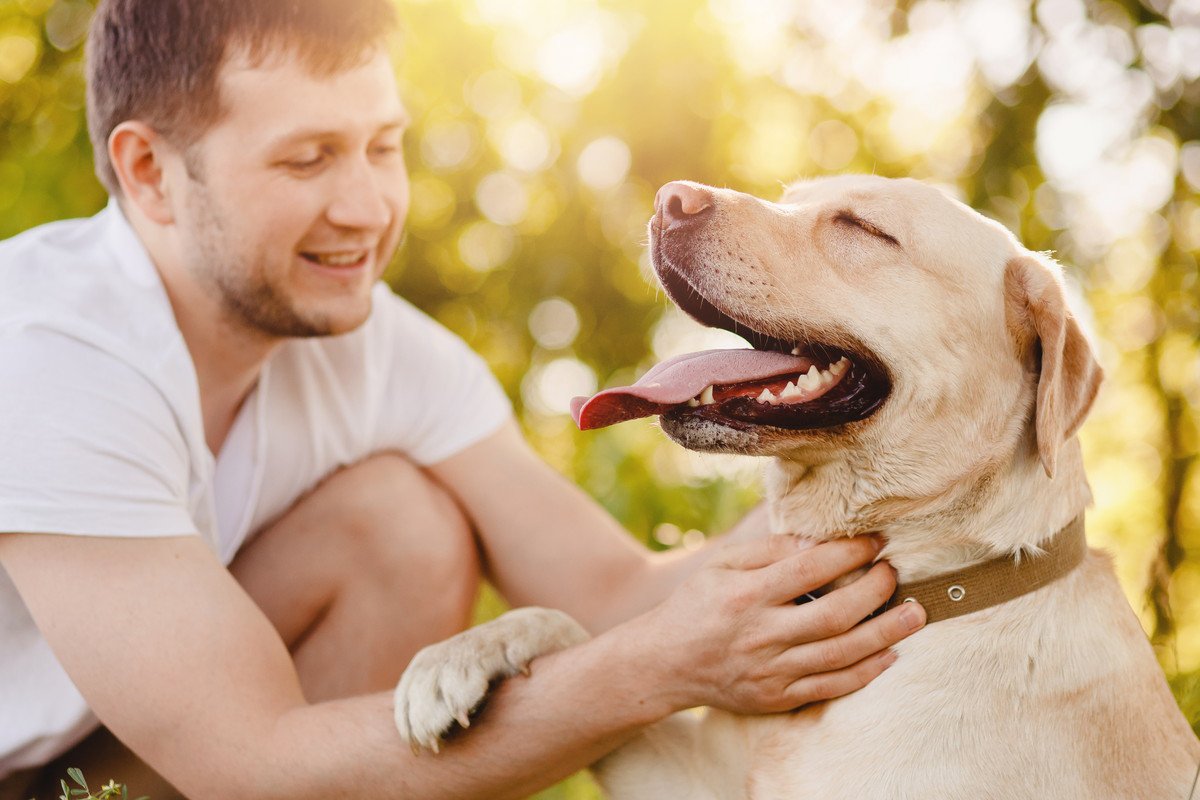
228 361
227 355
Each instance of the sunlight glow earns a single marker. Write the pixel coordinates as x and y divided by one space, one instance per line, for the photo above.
604 163
549 388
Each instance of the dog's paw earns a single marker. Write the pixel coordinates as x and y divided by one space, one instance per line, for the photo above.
447 681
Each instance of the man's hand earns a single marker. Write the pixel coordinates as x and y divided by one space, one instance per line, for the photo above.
732 637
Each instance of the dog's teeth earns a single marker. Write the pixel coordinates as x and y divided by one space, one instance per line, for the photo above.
791 390
796 351
767 397
839 367
826 377
812 378
693 403
706 397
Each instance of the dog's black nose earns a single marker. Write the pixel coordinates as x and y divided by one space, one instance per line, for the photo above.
681 201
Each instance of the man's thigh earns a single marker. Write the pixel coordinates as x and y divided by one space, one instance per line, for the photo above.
371 565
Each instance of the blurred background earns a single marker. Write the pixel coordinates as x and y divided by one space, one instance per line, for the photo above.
544 127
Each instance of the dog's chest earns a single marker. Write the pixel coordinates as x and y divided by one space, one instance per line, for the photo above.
1001 705
913 748
925 742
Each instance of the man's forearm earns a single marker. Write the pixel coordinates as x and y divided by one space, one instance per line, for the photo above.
663 572
574 707
570 554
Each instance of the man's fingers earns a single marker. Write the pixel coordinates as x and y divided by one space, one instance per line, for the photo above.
858 643
761 552
790 577
827 685
844 607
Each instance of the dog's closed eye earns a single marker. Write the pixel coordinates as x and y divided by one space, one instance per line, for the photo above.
851 219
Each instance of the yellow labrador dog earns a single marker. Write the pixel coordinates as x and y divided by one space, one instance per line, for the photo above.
915 371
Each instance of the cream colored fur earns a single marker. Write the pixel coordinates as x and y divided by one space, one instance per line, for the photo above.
1056 694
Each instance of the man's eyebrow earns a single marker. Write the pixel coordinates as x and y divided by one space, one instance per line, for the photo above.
398 123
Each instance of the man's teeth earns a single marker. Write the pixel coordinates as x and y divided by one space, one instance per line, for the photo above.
337 259
808 382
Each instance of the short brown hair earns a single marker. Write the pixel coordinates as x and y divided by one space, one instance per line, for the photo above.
158 61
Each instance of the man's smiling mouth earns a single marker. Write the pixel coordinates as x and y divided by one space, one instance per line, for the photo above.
337 259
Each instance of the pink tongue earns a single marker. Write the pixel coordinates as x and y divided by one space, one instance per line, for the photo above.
678 380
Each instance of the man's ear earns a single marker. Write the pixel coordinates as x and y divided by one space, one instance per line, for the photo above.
1050 340
136 153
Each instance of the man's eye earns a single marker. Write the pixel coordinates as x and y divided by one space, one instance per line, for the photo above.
385 149
307 163
853 220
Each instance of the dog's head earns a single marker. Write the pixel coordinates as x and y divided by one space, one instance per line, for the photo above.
885 318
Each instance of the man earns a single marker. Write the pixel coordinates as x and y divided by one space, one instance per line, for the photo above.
208 373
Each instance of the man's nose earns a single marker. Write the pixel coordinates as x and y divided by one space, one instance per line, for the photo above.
680 201
361 201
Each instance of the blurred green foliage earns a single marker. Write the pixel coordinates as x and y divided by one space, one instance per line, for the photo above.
544 128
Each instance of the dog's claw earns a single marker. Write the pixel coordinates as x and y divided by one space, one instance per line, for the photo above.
445 682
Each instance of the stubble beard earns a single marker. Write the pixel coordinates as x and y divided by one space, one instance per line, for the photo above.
248 299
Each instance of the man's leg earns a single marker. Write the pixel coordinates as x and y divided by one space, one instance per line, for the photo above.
372 565
377 562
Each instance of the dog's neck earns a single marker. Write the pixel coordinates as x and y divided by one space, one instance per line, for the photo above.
1003 509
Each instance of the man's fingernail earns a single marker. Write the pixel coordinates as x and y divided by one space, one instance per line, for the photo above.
888 658
913 616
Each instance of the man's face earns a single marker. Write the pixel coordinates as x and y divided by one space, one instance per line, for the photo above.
295 201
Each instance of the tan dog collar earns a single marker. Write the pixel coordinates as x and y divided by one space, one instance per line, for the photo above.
997 581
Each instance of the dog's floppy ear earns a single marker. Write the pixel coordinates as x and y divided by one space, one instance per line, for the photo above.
1050 340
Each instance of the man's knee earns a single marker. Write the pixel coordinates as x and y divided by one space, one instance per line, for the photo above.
403 530
379 543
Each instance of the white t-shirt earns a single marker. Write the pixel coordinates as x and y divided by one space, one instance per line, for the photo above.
101 431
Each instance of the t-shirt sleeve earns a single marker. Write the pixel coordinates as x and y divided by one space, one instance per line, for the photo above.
90 446
441 398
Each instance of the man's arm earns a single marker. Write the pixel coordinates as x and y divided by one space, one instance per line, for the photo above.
546 542
180 664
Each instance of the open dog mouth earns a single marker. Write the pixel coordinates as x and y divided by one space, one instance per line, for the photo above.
791 385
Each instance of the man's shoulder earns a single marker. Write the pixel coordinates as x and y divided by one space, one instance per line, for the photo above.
399 348
394 329
53 266
39 255
72 278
